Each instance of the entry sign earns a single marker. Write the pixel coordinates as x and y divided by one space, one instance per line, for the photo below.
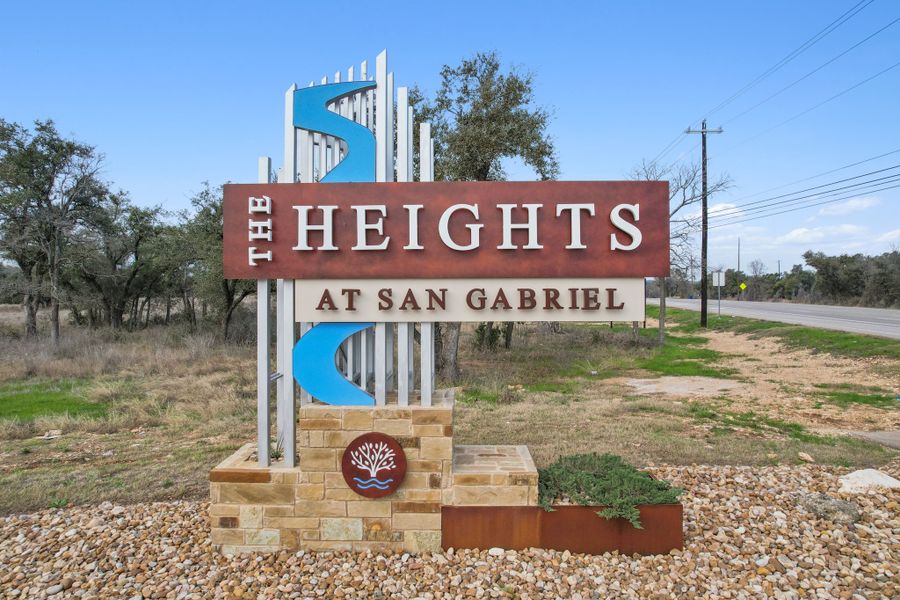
718 278
453 251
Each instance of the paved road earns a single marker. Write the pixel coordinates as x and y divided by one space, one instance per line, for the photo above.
884 322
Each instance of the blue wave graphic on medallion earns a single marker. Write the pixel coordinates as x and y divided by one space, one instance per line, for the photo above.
365 484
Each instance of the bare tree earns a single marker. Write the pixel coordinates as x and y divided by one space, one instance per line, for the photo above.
684 191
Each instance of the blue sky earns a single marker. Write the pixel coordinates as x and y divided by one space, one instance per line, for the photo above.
178 93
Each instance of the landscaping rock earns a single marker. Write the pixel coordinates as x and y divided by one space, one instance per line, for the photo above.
865 480
734 518
825 507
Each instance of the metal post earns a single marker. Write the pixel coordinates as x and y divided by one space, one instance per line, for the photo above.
704 234
262 372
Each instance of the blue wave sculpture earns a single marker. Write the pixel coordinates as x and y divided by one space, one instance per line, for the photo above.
365 484
315 369
314 366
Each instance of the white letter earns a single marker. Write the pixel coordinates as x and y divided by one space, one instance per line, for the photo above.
530 225
575 226
444 227
303 228
362 227
413 210
260 205
253 255
625 227
260 230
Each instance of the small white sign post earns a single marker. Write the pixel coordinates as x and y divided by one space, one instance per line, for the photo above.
719 281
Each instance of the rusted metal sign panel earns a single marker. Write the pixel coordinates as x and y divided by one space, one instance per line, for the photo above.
554 229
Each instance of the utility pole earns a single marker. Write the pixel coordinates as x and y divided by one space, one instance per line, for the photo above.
739 267
704 234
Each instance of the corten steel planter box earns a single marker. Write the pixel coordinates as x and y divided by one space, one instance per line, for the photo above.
573 528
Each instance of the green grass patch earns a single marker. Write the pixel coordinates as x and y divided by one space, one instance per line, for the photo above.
476 395
558 387
27 400
682 356
730 420
848 394
838 343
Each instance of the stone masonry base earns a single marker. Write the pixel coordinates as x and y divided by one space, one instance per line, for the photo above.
311 507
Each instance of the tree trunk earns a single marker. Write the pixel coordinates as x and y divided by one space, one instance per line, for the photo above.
168 308
450 353
507 334
31 310
661 282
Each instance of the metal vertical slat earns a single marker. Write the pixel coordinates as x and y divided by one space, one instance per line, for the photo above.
380 367
380 122
263 343
426 330
289 415
403 363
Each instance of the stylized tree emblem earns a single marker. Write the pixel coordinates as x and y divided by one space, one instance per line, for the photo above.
373 457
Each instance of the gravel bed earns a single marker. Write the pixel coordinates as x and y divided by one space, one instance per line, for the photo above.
747 536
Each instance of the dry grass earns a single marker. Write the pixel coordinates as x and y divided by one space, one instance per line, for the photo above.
177 403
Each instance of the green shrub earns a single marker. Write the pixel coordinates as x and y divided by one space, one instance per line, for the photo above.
603 480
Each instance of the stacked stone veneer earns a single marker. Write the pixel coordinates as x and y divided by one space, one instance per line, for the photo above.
312 507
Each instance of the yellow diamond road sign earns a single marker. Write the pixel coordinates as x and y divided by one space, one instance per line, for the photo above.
743 286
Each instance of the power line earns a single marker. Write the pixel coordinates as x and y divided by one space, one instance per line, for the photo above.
822 174
853 195
856 9
860 187
816 187
814 107
813 72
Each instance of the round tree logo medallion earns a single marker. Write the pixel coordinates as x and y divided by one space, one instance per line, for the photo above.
374 465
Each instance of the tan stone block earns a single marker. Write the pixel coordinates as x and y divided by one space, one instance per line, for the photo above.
407 441
447 496
377 546
428 430
422 541
290 477
441 448
225 522
320 424
226 536
411 453
403 521
320 411
423 465
417 495
225 510
358 419
416 507
432 416
291 522
393 412
290 539
251 517
377 529
417 480
263 537
320 508
490 496
434 481
310 491
335 480
316 439
286 510
257 493
302 438
339 439
317 459
448 430
523 478
310 534
341 494
393 426
369 508
472 479
312 477
341 529
215 492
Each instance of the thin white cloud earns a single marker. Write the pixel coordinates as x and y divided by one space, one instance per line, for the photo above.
890 236
850 206
808 235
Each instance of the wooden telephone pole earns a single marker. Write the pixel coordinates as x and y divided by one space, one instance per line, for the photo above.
703 236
